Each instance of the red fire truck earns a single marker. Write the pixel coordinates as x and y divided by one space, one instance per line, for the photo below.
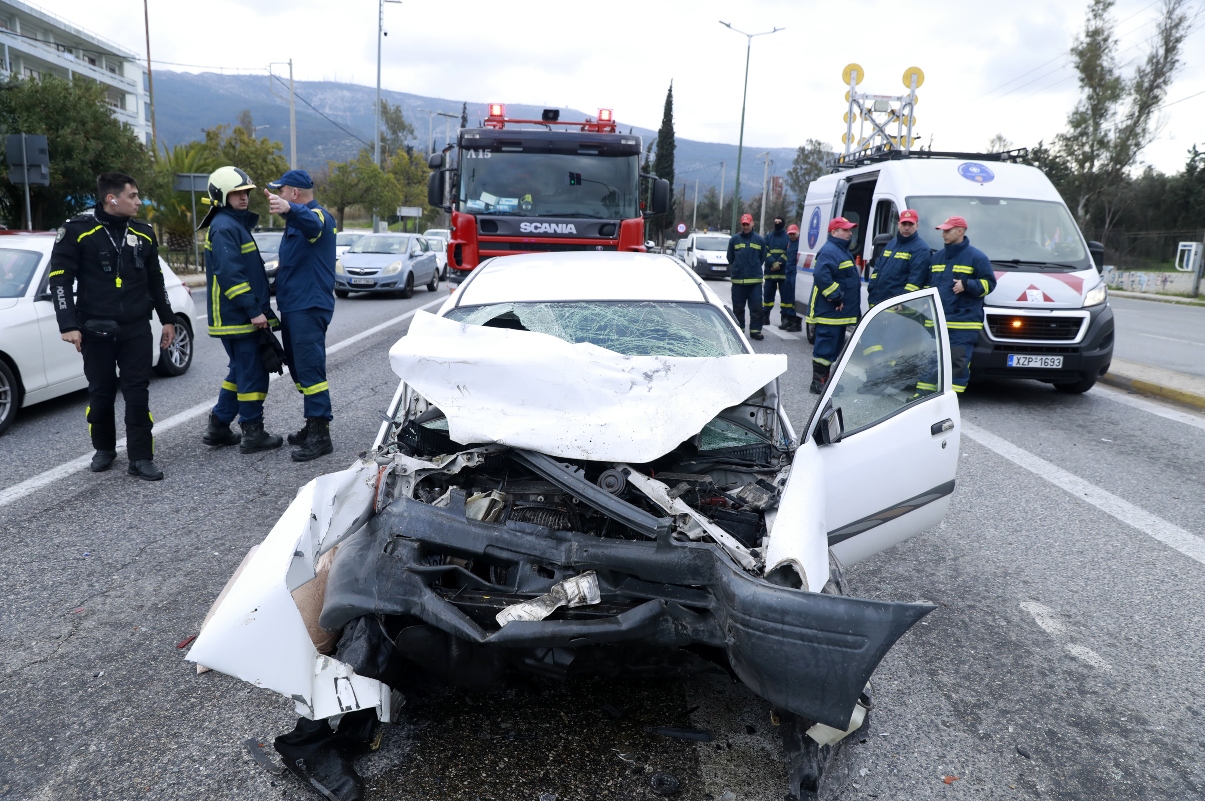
523 186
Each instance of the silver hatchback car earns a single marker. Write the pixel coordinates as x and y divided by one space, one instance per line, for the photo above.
387 263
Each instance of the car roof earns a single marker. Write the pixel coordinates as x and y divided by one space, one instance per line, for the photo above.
589 275
41 241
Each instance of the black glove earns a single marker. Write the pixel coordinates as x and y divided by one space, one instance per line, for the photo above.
271 353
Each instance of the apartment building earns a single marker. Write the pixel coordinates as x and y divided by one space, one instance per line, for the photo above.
36 43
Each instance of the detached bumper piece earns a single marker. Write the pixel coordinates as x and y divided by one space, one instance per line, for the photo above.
438 582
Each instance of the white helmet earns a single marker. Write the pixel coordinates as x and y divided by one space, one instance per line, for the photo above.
222 182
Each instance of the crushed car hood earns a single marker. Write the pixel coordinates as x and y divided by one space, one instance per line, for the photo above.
574 401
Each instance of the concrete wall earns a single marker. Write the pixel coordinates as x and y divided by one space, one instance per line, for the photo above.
1157 283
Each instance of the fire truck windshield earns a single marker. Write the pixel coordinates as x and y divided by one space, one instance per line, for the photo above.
549 185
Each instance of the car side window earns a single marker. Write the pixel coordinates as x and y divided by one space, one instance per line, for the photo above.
422 243
886 217
896 362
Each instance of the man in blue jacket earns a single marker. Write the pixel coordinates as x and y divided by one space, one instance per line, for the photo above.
963 276
305 296
904 264
746 253
777 273
791 321
836 299
239 308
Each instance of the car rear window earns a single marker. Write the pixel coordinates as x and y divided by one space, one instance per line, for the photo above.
633 328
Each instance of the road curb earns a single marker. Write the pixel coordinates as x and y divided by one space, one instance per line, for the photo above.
1143 387
1176 299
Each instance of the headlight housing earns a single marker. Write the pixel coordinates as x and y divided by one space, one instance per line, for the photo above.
339 266
1097 295
394 268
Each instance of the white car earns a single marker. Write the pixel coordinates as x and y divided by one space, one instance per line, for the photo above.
346 238
440 246
586 466
35 364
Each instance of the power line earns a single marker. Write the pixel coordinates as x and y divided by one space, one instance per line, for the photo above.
323 116
1181 100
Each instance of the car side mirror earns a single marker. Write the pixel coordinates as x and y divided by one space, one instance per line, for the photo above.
880 244
1097 251
830 427
436 161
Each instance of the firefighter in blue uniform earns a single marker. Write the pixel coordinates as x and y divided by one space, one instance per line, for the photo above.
963 276
777 274
305 288
791 321
746 255
239 308
904 264
836 299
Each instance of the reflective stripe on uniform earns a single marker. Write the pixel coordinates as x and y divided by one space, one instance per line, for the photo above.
53 273
322 218
746 280
887 253
230 385
252 396
963 268
845 264
247 247
237 290
924 385
910 287
88 233
937 268
960 388
314 390
986 289
215 302
903 255
144 236
872 349
831 288
824 362
230 330
774 276
958 325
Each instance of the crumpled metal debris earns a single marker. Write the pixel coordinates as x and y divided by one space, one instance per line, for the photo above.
827 735
576 591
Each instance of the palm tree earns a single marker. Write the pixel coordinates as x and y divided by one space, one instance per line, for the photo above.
171 211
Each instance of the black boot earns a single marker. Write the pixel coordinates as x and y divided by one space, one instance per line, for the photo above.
146 470
299 437
796 325
255 439
318 443
819 378
102 461
219 434
315 755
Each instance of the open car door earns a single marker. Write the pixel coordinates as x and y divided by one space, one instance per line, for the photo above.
885 433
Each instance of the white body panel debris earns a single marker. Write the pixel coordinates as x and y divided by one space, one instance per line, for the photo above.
577 591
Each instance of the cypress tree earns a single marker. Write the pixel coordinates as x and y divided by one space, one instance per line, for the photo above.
663 161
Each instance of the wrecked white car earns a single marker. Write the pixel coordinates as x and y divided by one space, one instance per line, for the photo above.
585 465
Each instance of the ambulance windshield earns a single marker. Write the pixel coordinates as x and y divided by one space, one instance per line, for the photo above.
1034 233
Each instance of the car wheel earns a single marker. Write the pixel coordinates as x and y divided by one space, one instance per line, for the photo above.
176 358
811 329
1076 387
341 293
408 292
10 396
433 284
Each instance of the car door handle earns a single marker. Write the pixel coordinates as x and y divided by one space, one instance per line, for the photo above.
942 427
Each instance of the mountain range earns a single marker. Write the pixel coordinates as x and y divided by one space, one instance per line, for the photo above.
334 122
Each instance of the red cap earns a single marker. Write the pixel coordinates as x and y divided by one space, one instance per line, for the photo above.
840 222
909 215
792 229
953 222
746 218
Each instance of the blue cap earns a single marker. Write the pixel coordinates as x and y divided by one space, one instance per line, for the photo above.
298 178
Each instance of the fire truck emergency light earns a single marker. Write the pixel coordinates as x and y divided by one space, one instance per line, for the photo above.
497 109
604 115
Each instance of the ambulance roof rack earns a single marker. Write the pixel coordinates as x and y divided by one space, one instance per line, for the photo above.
1018 155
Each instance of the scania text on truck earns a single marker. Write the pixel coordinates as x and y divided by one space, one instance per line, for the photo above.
519 186
1048 317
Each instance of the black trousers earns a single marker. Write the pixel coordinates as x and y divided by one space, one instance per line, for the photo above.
129 352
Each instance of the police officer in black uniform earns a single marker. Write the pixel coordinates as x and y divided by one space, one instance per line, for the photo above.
114 259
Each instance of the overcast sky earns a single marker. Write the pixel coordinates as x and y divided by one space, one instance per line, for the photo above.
1000 68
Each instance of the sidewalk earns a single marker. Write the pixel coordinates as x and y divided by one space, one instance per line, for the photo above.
1185 390
1157 298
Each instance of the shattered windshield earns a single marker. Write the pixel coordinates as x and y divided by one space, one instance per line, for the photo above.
633 328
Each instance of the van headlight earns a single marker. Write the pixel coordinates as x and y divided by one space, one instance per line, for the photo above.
339 266
396 267
1097 295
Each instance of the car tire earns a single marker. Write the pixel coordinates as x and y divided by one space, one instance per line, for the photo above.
175 359
433 285
341 293
10 396
811 333
408 292
1076 387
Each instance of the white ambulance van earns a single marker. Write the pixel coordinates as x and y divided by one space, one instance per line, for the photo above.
1049 317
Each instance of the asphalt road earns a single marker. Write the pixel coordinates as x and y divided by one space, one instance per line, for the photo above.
1065 660
1167 335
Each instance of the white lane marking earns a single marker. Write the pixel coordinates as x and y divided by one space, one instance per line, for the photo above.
1047 620
1151 407
779 334
1169 339
1169 534
31 485
201 316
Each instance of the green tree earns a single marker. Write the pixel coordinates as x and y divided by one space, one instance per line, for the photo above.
83 138
171 211
663 161
409 172
1113 122
358 182
810 162
260 158
397 130
999 144
709 209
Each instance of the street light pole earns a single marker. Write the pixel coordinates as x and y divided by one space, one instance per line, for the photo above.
736 192
150 78
376 147
761 227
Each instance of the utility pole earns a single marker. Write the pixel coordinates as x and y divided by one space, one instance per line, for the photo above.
723 165
736 192
447 130
694 217
430 147
292 121
761 226
150 77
